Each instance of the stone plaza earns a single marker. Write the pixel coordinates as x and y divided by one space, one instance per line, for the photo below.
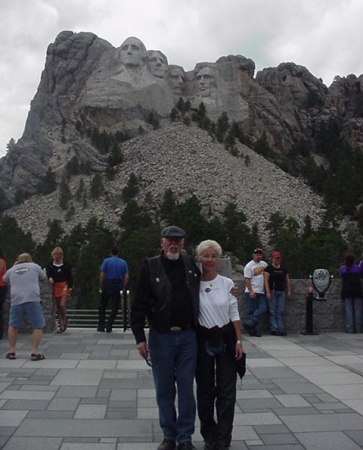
93 392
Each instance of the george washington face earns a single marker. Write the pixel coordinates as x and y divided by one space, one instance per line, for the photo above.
132 52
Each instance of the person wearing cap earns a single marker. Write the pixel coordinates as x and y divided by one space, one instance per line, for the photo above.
255 292
167 296
277 287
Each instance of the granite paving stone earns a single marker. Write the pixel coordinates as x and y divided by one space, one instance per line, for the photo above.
12 418
90 411
292 400
26 404
323 440
63 404
43 443
81 377
321 422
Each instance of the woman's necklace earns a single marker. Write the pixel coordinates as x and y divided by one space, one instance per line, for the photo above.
209 279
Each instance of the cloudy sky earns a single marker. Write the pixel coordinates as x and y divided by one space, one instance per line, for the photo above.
323 35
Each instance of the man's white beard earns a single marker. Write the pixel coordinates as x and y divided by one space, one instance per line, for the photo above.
173 256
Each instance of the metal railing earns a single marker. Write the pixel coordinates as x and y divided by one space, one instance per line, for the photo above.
88 318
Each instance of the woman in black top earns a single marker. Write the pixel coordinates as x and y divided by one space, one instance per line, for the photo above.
277 280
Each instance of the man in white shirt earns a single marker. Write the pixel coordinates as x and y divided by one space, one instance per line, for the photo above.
255 292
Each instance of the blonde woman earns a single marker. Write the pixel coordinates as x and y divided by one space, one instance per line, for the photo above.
60 276
219 347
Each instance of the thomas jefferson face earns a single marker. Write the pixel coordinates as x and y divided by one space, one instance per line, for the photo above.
157 64
206 81
132 52
176 80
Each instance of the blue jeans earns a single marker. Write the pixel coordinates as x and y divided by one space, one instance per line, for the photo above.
32 310
174 358
257 307
276 308
353 313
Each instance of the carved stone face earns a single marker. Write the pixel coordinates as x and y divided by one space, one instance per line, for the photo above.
132 52
176 80
206 81
157 64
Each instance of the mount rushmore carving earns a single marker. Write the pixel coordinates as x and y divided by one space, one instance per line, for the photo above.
133 75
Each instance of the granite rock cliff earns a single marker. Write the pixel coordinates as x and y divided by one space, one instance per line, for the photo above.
88 84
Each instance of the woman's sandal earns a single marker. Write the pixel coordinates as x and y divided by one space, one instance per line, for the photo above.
36 357
60 330
11 355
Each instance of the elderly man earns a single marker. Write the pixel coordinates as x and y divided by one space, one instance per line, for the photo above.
24 279
167 296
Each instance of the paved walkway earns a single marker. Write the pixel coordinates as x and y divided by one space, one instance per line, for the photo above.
92 392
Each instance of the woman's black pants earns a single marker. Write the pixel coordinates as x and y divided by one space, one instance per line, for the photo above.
216 386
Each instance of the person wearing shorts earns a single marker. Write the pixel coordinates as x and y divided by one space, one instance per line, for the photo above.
24 278
59 274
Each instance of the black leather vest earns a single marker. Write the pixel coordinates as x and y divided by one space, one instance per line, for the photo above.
160 291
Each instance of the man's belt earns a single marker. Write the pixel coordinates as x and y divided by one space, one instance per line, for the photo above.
175 329
114 281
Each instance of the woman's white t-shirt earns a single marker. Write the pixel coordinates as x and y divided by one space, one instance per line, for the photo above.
217 306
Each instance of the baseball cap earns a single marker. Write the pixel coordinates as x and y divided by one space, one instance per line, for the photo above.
173 232
275 255
258 251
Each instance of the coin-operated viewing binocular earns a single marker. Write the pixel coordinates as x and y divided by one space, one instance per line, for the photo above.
321 281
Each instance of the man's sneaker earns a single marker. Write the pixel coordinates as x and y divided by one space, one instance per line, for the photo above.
167 444
186 446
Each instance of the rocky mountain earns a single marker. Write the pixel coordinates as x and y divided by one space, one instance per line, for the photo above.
89 85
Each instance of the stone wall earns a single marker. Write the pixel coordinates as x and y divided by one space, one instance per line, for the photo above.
327 316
